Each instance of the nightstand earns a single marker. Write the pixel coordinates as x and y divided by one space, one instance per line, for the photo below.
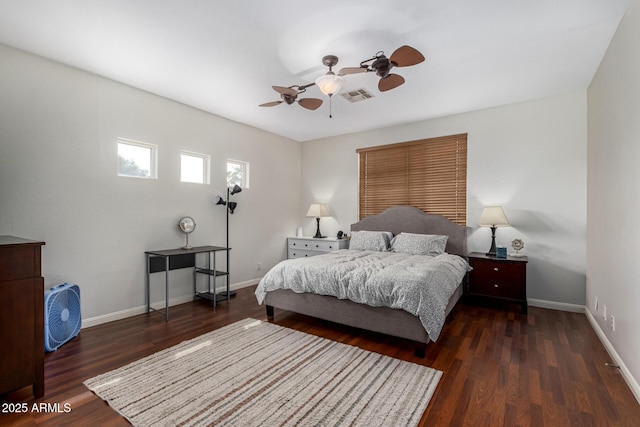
503 279
299 247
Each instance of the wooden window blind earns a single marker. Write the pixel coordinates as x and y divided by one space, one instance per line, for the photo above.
430 174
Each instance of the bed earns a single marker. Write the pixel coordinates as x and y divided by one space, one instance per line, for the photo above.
396 322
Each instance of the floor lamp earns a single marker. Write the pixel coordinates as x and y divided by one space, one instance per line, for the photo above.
231 207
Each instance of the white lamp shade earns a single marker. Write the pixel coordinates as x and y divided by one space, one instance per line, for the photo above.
493 216
329 83
317 210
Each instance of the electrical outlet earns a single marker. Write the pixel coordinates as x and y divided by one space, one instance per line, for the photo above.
595 305
259 266
612 323
604 313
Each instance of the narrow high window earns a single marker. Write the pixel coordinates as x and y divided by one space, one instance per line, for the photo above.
237 173
194 167
137 159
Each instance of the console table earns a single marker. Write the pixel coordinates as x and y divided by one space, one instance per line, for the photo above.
172 259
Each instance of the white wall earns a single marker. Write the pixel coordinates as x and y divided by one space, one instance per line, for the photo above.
529 157
58 183
614 192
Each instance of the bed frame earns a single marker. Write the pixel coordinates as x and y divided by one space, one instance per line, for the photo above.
390 321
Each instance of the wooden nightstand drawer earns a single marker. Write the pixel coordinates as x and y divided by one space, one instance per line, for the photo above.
498 278
19 262
494 288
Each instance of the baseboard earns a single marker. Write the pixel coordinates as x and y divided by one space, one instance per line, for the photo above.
624 371
123 314
554 305
626 374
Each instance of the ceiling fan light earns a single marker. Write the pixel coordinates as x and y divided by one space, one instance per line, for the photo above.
329 83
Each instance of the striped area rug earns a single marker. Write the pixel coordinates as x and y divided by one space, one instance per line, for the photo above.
254 373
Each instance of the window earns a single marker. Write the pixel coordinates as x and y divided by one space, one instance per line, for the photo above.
430 174
137 159
237 173
194 167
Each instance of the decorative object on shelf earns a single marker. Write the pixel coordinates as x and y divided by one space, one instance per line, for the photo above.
493 216
318 210
187 225
501 252
299 232
340 234
517 245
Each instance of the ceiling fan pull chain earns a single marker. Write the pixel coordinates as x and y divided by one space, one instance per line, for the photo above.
330 103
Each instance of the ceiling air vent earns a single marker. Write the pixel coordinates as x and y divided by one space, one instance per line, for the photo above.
357 95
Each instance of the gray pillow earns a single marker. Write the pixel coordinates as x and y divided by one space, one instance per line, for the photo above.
419 244
370 240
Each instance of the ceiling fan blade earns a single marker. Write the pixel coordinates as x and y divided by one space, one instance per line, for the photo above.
352 70
270 104
405 56
310 103
285 90
392 81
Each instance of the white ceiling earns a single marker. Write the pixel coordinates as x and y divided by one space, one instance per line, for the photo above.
223 56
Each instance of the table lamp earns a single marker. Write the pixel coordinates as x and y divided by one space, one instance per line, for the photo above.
318 210
493 216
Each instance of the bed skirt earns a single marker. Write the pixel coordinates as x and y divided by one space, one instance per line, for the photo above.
390 321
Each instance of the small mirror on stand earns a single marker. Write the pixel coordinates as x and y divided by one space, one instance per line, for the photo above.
187 225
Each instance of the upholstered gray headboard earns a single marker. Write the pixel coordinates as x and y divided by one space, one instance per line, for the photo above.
412 220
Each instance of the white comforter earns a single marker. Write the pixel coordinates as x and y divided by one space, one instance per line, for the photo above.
419 284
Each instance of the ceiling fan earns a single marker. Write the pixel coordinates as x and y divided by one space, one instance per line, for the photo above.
404 56
290 95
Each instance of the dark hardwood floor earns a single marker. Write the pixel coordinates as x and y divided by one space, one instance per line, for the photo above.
500 367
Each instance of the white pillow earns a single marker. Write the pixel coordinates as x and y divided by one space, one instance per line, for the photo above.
370 240
419 244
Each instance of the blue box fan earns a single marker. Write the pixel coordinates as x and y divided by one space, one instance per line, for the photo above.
62 319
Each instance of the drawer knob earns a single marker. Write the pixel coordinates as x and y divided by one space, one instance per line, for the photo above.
306 244
495 285
294 244
308 255
330 247
495 268
317 246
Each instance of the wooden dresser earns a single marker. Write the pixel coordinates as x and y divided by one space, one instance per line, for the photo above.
21 315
